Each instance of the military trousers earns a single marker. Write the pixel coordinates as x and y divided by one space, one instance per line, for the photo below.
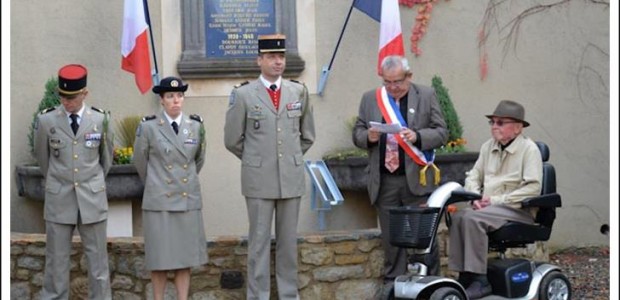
260 213
58 261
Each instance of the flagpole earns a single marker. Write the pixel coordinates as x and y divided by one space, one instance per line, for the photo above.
148 22
326 69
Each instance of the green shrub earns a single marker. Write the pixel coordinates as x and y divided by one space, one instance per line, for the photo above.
456 142
50 99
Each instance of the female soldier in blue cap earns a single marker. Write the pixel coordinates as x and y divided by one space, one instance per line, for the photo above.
169 152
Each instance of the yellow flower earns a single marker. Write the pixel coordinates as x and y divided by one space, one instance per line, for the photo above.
123 155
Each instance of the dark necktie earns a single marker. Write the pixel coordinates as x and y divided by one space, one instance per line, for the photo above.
74 123
175 127
273 87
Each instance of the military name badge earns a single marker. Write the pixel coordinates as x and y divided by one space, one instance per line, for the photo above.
191 142
293 110
293 106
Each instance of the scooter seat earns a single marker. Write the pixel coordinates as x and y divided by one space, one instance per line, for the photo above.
515 234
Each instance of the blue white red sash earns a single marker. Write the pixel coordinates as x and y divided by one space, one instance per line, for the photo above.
391 114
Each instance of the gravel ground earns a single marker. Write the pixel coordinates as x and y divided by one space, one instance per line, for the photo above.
587 269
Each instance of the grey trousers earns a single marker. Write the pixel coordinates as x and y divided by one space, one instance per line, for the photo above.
394 192
469 243
58 262
260 213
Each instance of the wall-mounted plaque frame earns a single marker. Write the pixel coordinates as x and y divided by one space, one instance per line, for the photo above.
196 62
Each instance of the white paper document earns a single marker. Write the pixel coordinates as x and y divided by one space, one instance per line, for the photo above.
386 128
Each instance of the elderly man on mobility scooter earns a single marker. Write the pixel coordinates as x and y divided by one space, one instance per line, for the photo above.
504 187
508 170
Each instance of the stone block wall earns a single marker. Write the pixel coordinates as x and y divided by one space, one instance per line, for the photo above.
338 265
332 265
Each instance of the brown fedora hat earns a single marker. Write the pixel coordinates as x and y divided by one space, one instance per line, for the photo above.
510 109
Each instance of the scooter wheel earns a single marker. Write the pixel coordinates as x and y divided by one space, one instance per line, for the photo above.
447 293
555 286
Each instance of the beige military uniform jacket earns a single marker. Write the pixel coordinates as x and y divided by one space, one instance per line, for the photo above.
74 165
270 143
168 163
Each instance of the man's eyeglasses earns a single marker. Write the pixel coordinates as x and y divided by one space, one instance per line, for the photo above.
395 82
500 123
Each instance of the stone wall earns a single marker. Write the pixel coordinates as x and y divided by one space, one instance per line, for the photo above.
332 265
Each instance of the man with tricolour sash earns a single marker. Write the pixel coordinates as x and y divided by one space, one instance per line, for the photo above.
400 124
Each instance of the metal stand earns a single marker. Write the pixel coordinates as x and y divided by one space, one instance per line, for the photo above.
325 192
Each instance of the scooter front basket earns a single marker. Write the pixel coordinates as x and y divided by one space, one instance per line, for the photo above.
413 227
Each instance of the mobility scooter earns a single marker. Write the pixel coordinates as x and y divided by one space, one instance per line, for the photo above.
416 228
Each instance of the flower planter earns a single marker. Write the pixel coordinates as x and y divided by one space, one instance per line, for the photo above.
122 182
454 165
350 173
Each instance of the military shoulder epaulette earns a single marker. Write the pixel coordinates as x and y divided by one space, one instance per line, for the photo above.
241 84
297 81
48 110
97 109
196 117
148 118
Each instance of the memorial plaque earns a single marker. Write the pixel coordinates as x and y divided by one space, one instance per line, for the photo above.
232 27
220 37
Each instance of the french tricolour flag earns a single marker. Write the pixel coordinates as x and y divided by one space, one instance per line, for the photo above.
388 14
135 46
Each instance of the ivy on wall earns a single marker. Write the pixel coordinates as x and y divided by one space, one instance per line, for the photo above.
424 8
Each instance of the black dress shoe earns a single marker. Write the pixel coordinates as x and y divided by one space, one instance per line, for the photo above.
466 278
477 290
